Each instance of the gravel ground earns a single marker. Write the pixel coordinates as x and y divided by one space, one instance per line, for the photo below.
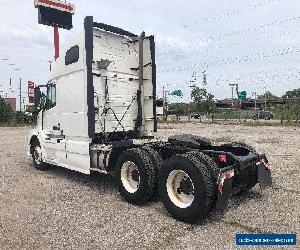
64 209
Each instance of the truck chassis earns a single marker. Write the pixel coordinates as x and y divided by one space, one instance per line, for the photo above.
192 176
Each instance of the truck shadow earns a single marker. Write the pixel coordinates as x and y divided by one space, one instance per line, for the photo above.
94 180
234 202
107 183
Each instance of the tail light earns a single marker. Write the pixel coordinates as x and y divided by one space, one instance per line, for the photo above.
222 158
223 177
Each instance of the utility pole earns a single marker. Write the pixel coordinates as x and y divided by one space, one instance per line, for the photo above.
165 103
20 94
193 85
232 85
204 79
255 101
265 97
50 62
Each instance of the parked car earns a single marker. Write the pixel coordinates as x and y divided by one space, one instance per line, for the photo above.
262 115
195 116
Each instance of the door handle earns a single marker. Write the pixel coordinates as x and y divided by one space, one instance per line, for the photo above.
56 128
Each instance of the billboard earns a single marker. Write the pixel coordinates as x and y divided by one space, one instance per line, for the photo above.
31 91
55 13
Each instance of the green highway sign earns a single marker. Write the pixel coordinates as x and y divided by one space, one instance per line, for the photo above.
177 92
243 95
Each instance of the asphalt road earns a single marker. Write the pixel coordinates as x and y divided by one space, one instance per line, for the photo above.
62 209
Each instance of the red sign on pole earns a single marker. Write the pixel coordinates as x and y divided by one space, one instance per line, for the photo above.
31 91
55 13
56 4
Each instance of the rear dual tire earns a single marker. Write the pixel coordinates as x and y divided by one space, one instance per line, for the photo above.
136 176
186 188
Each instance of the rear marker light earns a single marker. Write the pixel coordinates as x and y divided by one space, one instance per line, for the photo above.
224 176
223 158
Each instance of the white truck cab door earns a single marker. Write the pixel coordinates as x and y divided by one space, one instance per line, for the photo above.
55 143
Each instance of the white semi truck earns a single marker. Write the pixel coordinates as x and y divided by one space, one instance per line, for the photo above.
99 112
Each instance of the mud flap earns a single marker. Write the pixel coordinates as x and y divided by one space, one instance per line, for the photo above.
225 181
264 175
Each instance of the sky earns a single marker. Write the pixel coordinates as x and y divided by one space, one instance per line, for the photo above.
253 43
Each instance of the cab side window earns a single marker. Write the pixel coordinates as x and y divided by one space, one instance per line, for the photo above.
72 55
51 96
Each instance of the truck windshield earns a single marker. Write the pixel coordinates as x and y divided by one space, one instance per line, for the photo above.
51 96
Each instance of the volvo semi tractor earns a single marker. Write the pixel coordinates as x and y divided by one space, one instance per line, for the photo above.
98 114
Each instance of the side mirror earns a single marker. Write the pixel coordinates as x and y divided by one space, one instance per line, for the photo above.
37 97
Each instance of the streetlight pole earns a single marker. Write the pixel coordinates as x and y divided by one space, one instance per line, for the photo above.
166 92
50 62
232 85
164 103
20 94
265 98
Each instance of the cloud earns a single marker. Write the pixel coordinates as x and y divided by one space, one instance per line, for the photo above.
182 30
168 45
24 37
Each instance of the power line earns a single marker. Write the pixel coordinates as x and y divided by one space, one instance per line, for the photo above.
231 14
265 55
253 29
218 48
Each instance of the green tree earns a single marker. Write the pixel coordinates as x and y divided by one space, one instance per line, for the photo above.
178 109
203 101
6 112
292 93
267 95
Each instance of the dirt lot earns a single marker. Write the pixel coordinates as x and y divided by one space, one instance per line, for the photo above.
64 209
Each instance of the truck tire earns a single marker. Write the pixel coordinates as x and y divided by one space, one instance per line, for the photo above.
155 157
190 140
242 144
135 175
213 170
36 153
186 188
157 162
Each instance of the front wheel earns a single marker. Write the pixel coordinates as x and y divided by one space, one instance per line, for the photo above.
37 158
186 188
